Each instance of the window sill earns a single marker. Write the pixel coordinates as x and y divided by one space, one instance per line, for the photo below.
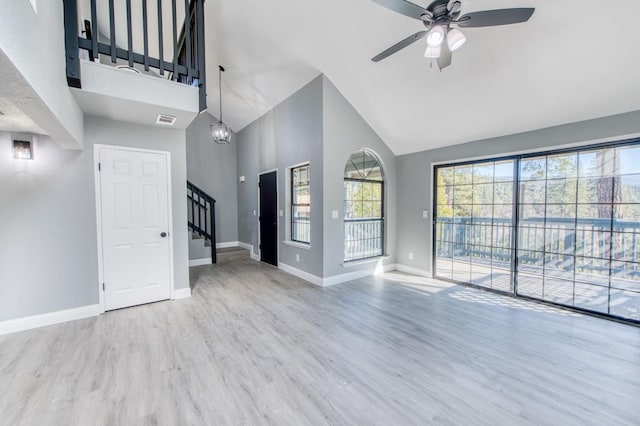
298 245
364 261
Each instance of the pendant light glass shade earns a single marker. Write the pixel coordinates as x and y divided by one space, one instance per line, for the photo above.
220 131
455 39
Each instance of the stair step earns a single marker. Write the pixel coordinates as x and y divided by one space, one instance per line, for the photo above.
229 254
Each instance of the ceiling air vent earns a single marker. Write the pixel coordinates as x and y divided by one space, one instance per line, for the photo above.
166 120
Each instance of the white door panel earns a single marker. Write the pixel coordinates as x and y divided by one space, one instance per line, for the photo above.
135 213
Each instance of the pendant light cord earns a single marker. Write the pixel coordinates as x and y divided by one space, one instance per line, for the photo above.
220 71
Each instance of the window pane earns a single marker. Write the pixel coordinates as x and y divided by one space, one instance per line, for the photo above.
300 204
563 166
533 192
444 176
482 173
534 168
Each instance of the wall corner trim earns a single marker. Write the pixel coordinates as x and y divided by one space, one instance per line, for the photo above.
183 293
51 318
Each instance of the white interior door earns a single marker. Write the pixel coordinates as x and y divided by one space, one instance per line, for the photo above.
136 253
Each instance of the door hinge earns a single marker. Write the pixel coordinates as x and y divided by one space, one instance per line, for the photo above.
99 166
102 286
260 246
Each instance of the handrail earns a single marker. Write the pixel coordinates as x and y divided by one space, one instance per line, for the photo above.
202 217
185 67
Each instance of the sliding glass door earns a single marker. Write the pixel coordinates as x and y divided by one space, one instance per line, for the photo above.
475 222
573 217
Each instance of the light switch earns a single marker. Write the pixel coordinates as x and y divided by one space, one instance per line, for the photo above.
334 214
242 179
254 213
425 214
281 212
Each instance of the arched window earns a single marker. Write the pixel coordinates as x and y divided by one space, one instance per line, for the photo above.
363 206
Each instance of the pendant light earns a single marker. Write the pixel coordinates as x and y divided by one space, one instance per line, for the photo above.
220 131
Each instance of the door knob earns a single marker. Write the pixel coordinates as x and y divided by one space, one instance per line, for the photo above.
163 234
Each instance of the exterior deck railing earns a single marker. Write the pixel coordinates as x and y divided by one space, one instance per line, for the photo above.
601 244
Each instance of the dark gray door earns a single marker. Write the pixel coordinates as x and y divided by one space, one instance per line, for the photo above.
269 218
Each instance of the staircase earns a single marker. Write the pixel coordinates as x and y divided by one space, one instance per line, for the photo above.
202 217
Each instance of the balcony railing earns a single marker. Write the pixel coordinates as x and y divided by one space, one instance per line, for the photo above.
552 243
146 20
363 238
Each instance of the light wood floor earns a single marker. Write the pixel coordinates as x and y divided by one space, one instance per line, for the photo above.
257 346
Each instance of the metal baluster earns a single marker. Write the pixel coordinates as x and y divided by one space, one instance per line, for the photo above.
112 31
160 38
145 37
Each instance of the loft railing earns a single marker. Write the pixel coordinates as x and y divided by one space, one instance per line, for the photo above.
202 216
186 63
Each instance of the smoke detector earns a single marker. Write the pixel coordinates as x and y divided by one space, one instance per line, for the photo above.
166 120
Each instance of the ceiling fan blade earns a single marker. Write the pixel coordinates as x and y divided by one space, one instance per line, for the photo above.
399 46
445 56
404 7
491 18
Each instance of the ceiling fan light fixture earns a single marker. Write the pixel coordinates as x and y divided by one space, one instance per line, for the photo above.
433 52
455 39
435 37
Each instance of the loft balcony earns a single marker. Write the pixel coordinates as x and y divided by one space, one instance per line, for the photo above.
134 61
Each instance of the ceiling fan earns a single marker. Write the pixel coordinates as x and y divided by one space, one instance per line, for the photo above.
439 18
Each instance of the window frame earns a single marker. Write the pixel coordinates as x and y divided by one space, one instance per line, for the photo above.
380 219
293 204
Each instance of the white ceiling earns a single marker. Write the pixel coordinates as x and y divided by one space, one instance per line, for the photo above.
574 60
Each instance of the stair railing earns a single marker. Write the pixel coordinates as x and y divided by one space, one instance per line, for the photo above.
202 216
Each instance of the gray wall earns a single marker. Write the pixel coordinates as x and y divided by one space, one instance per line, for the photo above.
415 171
345 131
48 254
289 134
212 167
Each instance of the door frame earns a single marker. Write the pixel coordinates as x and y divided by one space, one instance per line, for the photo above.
277 215
98 192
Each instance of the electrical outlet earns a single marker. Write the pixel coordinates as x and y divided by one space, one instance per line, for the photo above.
297 257
410 256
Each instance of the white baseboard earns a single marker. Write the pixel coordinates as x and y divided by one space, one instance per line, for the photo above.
51 318
228 244
413 270
349 276
182 293
245 246
199 262
250 248
313 279
336 279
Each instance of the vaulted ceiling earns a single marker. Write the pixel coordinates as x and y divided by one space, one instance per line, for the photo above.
574 60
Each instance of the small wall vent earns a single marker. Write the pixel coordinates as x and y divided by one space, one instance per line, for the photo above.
166 120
